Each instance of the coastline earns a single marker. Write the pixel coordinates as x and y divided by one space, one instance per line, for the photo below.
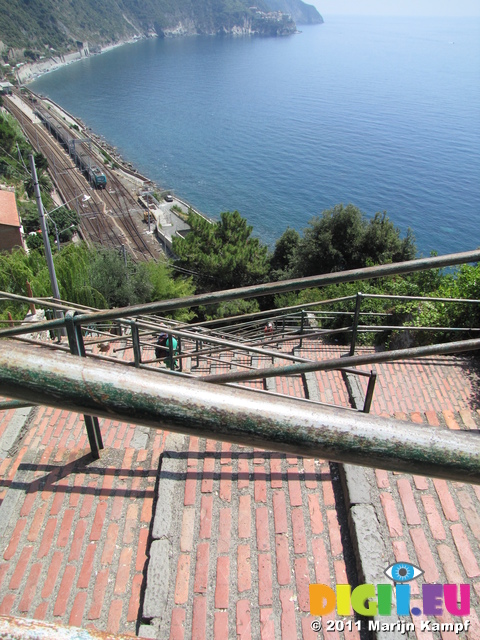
33 70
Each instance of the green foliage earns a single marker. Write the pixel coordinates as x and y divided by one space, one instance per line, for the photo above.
281 259
164 287
463 283
344 238
12 169
44 183
67 221
8 134
95 277
16 268
38 26
223 255
74 267
229 309
31 55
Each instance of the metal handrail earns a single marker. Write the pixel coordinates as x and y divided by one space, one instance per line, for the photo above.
337 363
235 415
219 342
270 288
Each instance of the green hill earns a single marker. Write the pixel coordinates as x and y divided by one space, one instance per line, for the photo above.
299 11
40 26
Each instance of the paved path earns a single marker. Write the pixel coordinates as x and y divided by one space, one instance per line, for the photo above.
74 530
236 535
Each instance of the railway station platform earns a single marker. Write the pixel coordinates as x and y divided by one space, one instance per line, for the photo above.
176 537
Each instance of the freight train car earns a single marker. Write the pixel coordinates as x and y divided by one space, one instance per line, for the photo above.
74 147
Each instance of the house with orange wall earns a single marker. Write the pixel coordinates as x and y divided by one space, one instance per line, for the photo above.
10 225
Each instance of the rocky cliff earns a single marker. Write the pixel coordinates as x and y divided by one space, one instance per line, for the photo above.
299 11
50 27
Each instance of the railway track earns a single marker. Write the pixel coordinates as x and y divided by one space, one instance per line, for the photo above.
111 217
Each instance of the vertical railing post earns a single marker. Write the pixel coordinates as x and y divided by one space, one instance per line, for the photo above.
356 316
137 350
170 351
77 348
179 347
302 324
49 315
370 389
197 350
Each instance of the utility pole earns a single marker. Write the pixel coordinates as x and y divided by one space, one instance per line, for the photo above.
46 242
43 227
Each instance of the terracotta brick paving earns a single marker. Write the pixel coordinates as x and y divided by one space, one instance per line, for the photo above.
255 527
435 524
74 549
258 527
432 523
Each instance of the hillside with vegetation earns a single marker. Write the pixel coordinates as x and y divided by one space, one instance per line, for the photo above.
225 255
302 13
50 26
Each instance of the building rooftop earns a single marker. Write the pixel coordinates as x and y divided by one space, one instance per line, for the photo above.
8 209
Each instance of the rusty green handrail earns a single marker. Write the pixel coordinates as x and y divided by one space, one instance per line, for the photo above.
353 275
236 415
26 629
351 361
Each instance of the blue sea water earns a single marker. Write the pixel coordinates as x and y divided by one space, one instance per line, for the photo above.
381 112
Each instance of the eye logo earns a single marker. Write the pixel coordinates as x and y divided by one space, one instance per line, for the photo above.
368 600
403 572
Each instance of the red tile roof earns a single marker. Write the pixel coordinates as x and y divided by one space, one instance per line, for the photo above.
8 209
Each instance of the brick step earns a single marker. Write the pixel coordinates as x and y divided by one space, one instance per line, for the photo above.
255 527
435 525
255 530
463 420
73 531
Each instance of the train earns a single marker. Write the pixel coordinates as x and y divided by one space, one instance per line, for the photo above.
75 148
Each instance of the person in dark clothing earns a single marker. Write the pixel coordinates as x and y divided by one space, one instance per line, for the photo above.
162 350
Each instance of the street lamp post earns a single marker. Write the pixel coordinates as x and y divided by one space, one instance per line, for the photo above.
57 232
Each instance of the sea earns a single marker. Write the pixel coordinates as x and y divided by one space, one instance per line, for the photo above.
381 112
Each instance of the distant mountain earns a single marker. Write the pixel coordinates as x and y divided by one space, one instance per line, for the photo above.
40 26
301 12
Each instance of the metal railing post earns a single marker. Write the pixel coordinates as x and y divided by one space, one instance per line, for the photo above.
50 315
170 351
370 390
358 304
197 349
302 323
180 359
77 348
137 349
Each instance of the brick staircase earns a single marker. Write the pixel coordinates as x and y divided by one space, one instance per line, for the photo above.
224 540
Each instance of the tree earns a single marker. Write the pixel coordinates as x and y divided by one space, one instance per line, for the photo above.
382 244
281 260
44 183
95 277
67 221
222 255
164 287
344 238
